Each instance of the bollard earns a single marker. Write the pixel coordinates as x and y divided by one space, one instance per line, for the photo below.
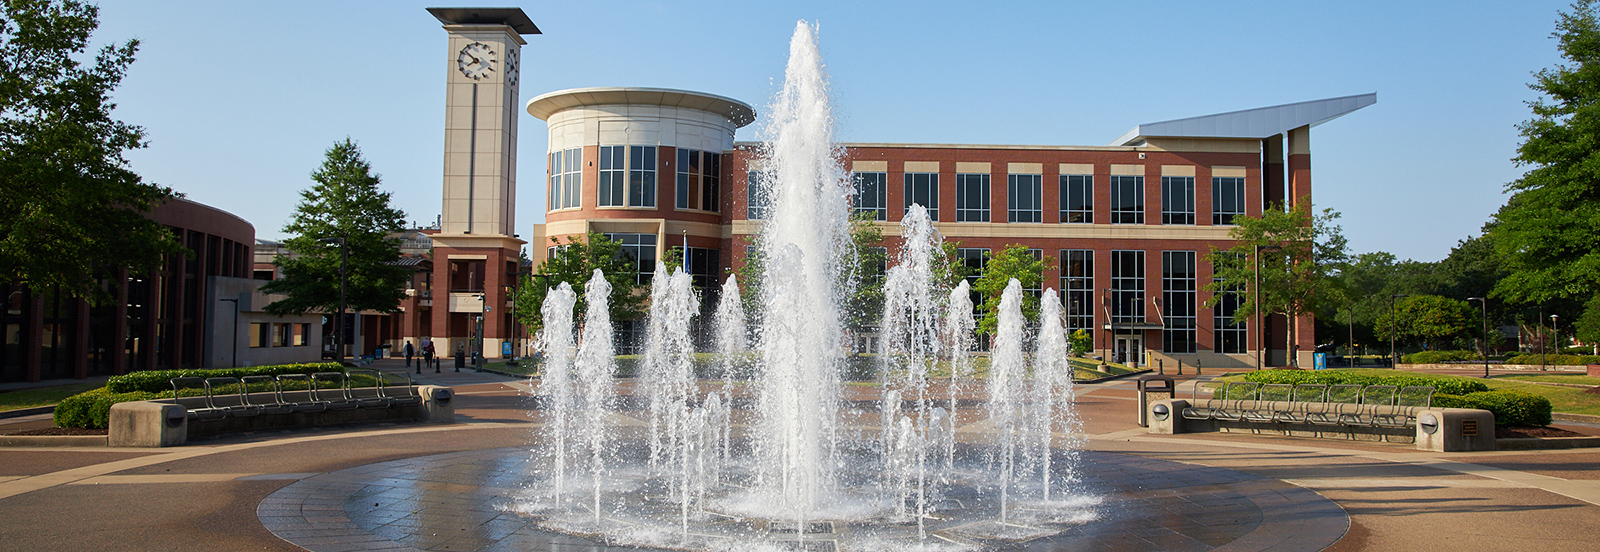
1197 367
1180 367
1161 366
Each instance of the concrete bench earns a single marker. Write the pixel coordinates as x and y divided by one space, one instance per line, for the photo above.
1435 429
168 422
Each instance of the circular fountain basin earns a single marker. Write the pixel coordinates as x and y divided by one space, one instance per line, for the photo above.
478 500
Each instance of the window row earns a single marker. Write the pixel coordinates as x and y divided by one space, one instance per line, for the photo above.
627 178
1126 300
279 334
1024 198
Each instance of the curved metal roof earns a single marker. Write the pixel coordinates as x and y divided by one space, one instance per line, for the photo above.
1258 123
545 105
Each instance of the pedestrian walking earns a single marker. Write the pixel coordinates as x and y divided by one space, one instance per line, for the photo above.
410 351
427 355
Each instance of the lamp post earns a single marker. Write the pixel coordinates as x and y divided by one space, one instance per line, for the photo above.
483 312
1540 322
1484 304
1394 361
1350 322
233 361
1555 330
338 324
1261 333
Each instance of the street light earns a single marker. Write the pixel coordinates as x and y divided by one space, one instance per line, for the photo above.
338 325
1394 361
1350 322
233 361
1261 333
1555 329
1484 303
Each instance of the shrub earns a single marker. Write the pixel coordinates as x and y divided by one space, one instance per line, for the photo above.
1441 384
1434 357
1554 359
157 381
1510 408
92 409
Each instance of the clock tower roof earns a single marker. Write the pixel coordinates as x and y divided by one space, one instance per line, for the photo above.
510 17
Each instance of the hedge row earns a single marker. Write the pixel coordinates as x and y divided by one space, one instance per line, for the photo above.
156 381
1441 384
92 409
1559 360
1510 408
1435 357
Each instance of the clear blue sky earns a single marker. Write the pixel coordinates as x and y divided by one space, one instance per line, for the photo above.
240 99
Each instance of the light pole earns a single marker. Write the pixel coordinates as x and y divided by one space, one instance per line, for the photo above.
1261 330
233 361
1394 361
1350 322
338 324
1540 322
1484 303
483 312
1555 330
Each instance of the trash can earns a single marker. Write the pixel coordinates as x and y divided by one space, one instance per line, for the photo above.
461 359
1153 385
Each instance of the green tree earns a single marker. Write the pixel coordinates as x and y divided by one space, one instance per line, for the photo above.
1299 267
863 309
69 205
1548 233
574 262
1429 318
1015 261
343 203
1082 341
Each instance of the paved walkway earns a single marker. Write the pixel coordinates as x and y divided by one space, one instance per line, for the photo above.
210 494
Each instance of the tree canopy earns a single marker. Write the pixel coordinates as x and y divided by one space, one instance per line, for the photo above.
574 262
344 202
1300 257
1015 261
69 205
1548 234
1430 319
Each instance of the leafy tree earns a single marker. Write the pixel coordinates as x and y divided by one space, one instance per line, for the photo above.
1549 231
1296 277
69 205
344 202
574 262
1430 318
1081 341
863 309
1587 327
1015 261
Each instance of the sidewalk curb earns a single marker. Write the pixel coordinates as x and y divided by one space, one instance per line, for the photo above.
20 412
53 440
1565 417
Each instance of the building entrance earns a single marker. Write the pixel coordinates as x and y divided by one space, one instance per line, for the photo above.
1129 349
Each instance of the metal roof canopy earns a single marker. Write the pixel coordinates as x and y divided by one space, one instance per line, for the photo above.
510 17
1258 123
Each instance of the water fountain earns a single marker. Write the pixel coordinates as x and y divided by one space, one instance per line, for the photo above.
772 456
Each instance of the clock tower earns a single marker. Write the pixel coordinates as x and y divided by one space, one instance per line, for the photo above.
475 257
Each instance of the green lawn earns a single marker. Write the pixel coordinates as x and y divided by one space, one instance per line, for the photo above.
43 396
1562 399
1579 379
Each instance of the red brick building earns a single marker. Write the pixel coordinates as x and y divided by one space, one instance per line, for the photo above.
1126 227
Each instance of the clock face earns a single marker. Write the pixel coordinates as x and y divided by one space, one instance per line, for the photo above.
511 68
476 61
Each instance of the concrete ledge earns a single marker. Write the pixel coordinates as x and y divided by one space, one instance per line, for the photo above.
53 440
1547 443
1436 429
163 423
20 412
1565 417
1511 367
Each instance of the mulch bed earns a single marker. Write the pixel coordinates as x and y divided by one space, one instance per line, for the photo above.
1592 390
60 431
1532 432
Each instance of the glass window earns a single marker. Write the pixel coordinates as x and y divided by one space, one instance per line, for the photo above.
1177 200
757 196
698 180
642 249
923 189
612 168
1127 200
641 176
566 178
1077 285
281 335
972 198
1077 198
1127 286
1227 199
301 331
1178 301
1023 203
260 335
1228 336
976 259
871 197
